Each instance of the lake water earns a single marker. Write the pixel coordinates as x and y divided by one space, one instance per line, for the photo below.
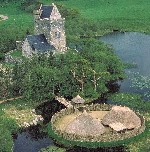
31 141
134 48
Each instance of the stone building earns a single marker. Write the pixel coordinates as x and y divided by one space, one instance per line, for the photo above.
49 32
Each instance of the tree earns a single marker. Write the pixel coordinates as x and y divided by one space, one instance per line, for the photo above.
5 82
85 72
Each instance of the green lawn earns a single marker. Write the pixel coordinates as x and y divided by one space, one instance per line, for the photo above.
130 15
15 27
16 18
16 53
110 9
123 15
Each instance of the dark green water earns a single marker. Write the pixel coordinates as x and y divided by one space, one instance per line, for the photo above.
134 48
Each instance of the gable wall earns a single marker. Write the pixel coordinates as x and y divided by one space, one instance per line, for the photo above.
26 49
50 27
58 38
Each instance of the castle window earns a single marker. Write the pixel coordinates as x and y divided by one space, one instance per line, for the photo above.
57 35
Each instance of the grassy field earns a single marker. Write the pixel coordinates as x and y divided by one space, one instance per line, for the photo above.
121 14
16 17
18 109
15 27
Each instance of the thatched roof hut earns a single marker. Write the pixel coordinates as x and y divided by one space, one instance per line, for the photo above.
120 118
78 100
85 125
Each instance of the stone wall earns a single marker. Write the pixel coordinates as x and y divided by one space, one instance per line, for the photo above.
19 45
10 59
57 34
26 49
52 27
115 136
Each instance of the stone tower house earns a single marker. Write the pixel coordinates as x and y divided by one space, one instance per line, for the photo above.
48 21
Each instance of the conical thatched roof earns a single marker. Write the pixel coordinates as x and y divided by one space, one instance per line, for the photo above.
120 118
85 125
78 99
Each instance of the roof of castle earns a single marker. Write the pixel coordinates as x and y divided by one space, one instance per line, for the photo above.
39 43
46 11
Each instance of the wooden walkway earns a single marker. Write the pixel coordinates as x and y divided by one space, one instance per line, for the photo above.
64 101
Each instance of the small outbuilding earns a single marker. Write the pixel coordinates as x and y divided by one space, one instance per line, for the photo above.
78 100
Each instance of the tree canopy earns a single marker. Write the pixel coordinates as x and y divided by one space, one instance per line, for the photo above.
83 70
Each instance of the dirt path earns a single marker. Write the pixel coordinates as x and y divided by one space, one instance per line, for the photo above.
2 101
2 17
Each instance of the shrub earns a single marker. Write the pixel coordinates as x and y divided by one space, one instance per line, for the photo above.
7 127
52 149
131 100
29 5
6 142
2 56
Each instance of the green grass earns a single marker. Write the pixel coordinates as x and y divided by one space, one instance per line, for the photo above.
16 53
123 15
120 14
108 9
18 109
17 18
15 27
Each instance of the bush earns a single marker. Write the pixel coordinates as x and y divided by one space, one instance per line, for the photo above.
52 149
2 56
7 127
6 142
133 101
29 5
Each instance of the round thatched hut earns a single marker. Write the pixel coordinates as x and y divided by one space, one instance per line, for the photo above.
85 125
121 118
96 126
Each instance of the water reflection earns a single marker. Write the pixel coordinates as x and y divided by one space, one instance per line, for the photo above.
27 142
134 48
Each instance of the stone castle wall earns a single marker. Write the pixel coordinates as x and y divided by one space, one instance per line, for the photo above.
53 29
57 34
26 49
